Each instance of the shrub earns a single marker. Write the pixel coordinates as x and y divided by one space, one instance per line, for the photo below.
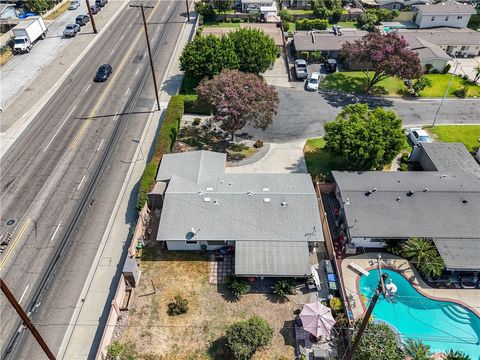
304 55
335 304
403 167
465 77
228 20
196 121
461 92
435 71
236 20
316 24
428 67
258 144
316 56
245 337
446 69
238 286
283 288
194 106
164 143
178 307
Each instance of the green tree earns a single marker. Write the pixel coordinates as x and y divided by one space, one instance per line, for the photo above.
365 139
423 253
420 84
327 9
393 246
244 338
206 10
456 355
255 49
378 342
207 56
372 17
39 6
223 5
417 350
238 286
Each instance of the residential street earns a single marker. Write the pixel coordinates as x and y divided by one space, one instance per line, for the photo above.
301 114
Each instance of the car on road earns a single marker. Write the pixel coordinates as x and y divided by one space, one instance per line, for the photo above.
71 30
95 9
301 72
101 3
74 4
82 20
418 135
103 73
313 82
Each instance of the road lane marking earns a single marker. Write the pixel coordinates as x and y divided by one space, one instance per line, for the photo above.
111 52
144 54
58 130
136 72
23 294
81 182
122 37
88 87
56 230
101 143
126 92
14 243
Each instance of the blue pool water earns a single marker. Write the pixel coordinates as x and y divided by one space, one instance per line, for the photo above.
440 324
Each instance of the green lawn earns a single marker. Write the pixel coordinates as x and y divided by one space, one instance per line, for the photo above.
320 162
300 12
347 24
467 134
292 27
474 22
354 82
221 24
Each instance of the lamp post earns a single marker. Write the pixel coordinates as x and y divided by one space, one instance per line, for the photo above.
446 91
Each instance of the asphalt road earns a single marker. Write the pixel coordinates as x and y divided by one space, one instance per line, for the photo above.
46 172
301 114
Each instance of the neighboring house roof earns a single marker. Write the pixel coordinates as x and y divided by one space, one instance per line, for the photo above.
426 50
459 254
442 36
324 40
427 204
268 28
450 156
447 7
253 258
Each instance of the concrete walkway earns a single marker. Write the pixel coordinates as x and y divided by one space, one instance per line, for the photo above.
85 321
281 158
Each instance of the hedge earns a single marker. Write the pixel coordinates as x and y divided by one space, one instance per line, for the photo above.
193 106
163 145
316 24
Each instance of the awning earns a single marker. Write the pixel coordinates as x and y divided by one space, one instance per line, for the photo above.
459 254
272 259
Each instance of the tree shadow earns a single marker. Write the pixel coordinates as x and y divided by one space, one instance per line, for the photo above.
218 349
226 294
276 299
288 332
340 99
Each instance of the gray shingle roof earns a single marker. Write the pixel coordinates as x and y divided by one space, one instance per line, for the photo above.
447 7
459 254
442 36
325 40
261 258
436 209
263 207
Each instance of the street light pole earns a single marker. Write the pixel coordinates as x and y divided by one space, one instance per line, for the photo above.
366 318
91 16
188 10
446 91
142 7
26 320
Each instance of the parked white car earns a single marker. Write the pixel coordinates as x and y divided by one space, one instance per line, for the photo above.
313 82
417 135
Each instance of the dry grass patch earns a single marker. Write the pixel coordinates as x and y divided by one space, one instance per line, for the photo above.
61 9
6 55
196 334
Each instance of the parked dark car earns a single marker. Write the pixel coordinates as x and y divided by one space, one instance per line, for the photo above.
95 9
468 280
101 3
82 20
330 65
103 73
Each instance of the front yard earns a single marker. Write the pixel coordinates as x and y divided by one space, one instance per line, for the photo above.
320 162
354 82
196 334
467 134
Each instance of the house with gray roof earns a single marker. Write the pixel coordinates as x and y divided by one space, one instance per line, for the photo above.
270 219
441 203
449 13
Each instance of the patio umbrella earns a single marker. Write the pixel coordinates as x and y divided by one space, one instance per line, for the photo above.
317 319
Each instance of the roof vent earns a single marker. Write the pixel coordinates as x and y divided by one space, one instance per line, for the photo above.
265 189
368 193
215 202
209 188
346 202
374 190
284 203
193 231
200 192
267 200
398 198
230 183
465 201
206 199
410 193
250 193
425 190
222 181
443 176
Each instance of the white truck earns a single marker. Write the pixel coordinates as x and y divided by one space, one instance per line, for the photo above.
27 32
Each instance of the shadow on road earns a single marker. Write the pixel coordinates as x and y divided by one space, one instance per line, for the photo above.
114 115
337 99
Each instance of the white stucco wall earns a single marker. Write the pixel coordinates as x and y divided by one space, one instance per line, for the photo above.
460 50
438 64
451 20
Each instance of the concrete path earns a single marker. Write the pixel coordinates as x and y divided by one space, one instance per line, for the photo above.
281 158
277 75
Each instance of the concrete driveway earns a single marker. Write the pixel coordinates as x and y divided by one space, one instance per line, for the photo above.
301 114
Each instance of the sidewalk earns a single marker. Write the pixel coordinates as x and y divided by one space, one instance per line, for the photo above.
29 80
85 320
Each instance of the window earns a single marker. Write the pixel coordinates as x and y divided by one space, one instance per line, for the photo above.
191 242
465 48
446 18
433 18
459 17
215 243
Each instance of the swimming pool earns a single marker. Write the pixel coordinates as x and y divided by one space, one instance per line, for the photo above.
442 325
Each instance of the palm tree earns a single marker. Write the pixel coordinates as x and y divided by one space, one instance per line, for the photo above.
456 355
393 246
423 253
417 350
432 267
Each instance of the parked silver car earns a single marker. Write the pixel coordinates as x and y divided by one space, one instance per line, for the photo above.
71 30
74 5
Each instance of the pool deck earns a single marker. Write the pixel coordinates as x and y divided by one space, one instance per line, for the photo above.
469 298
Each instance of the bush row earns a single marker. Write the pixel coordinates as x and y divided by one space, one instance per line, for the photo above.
316 24
164 143
194 106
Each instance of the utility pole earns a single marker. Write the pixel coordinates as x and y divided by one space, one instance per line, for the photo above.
28 323
446 92
188 10
91 17
142 7
366 318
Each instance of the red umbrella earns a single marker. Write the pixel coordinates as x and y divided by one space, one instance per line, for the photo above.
317 319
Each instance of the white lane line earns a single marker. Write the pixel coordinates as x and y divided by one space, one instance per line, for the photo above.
129 26
81 182
99 146
23 294
126 92
136 72
144 54
122 37
58 130
111 52
56 230
88 87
